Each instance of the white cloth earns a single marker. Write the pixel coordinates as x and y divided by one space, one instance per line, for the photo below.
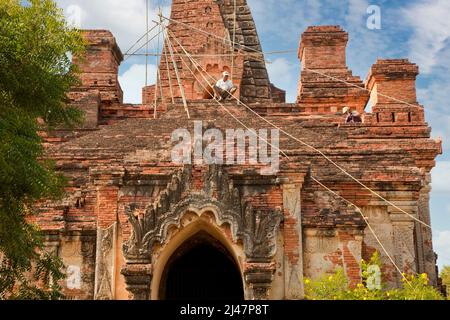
225 85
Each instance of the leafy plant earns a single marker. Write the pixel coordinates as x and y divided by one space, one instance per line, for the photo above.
336 287
35 76
327 287
445 276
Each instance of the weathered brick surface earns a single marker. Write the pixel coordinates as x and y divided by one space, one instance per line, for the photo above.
323 50
99 69
248 68
123 157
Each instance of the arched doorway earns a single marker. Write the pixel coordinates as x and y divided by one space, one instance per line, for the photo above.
201 269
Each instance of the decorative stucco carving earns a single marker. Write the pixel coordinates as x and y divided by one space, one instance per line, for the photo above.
255 226
259 228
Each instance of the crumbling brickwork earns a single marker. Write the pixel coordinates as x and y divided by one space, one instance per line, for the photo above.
128 206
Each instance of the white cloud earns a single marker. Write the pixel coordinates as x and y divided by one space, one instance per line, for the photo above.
287 19
442 246
430 49
357 13
282 22
133 80
440 124
284 75
431 23
441 177
125 19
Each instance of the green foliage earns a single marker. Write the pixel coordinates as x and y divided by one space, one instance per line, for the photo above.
336 287
327 287
415 287
445 276
35 76
36 71
38 282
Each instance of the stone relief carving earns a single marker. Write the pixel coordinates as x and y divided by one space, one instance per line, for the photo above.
256 227
104 271
404 240
259 228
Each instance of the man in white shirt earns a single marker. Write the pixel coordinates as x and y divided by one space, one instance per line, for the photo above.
224 88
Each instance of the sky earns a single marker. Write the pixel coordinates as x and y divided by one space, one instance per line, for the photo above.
414 29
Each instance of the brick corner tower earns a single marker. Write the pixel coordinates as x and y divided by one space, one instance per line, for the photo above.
327 85
99 75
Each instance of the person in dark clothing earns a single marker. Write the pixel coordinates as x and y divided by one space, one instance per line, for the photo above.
351 116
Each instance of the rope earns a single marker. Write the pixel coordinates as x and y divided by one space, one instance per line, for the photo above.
212 34
158 61
291 51
156 86
169 77
160 85
329 160
150 40
234 41
317 181
157 77
212 96
217 55
139 40
368 225
178 76
146 41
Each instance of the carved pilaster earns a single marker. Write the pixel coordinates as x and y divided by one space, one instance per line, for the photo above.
293 257
426 256
258 278
138 279
105 263
405 254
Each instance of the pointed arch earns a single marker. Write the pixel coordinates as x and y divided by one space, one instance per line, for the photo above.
193 227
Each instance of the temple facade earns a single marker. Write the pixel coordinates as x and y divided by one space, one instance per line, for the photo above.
136 225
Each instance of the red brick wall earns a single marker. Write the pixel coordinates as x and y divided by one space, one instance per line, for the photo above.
323 87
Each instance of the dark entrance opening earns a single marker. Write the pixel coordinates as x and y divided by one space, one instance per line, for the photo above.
201 269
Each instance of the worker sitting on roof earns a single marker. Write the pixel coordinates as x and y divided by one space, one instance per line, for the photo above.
351 116
224 88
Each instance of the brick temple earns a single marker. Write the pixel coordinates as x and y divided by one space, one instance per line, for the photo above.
134 225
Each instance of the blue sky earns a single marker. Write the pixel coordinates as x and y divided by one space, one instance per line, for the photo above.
414 29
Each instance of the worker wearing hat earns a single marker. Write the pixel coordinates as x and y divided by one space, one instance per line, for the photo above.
351 116
224 88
